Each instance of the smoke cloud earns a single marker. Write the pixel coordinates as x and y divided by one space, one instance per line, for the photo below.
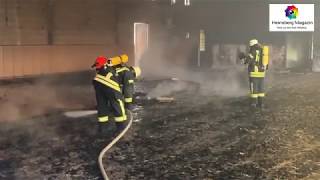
163 63
40 97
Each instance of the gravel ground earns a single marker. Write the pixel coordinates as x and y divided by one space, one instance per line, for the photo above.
198 136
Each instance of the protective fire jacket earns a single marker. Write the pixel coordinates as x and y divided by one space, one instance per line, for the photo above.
107 76
254 61
126 80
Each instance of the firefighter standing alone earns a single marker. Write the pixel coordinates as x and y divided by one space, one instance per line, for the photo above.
257 61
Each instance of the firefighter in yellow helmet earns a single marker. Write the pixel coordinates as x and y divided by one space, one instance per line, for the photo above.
109 97
256 72
127 75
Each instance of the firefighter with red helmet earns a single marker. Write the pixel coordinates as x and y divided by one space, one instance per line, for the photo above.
108 94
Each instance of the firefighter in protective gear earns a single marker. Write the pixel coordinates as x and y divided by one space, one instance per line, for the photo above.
127 75
256 71
108 94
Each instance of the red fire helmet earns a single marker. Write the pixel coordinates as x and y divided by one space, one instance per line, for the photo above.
100 62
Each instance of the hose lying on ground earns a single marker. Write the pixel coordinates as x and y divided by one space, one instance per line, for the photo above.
115 140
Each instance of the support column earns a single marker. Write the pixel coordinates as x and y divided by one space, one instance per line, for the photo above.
316 42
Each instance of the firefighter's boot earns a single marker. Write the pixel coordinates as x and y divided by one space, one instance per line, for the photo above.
260 104
120 127
253 102
104 130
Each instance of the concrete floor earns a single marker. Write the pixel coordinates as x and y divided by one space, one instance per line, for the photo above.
199 136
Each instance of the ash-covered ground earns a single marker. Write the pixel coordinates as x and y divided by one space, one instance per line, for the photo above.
200 135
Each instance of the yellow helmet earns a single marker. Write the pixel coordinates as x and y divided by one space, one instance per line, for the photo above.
124 58
115 60
137 71
253 42
119 59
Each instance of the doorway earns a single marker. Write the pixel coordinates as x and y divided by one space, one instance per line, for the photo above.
141 41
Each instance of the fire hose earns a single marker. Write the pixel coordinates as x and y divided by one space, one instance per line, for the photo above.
106 148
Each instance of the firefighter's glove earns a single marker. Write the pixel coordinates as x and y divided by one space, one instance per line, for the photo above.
242 55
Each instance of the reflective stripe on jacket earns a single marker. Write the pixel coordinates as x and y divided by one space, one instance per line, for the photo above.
126 81
107 78
255 64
